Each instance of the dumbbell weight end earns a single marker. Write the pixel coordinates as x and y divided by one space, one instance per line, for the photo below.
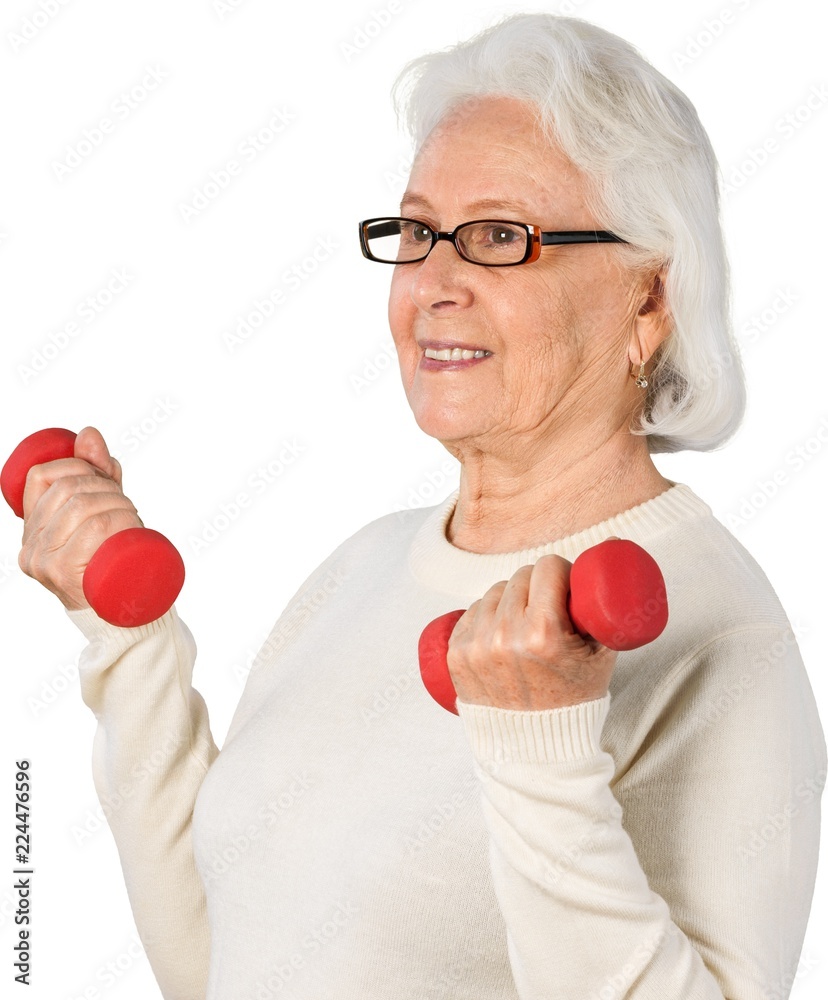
134 577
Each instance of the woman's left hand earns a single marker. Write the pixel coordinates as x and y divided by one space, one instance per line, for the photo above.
516 647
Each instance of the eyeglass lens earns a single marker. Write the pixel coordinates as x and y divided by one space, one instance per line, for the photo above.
490 242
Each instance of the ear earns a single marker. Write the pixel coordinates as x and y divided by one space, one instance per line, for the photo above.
653 324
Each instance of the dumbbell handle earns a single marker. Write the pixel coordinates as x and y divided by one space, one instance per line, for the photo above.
135 575
616 596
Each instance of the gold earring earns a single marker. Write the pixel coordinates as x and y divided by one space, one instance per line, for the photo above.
641 378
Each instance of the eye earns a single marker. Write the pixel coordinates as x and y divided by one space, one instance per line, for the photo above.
415 232
503 235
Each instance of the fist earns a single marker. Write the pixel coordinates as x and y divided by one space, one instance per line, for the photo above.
516 648
70 506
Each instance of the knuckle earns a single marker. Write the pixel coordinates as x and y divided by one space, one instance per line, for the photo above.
77 504
552 561
65 489
458 641
102 524
536 643
33 567
87 503
108 522
71 501
500 641
35 474
463 648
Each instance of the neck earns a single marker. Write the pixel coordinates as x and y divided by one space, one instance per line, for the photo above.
503 506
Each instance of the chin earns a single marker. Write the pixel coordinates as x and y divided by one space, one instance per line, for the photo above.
444 425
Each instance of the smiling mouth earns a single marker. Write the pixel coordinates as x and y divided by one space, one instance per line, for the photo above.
454 354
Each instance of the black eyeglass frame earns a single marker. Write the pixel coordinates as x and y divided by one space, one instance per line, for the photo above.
536 238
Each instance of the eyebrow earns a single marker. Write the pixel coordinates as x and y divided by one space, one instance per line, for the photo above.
509 206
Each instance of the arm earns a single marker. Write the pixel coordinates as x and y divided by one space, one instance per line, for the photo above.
153 745
151 751
661 890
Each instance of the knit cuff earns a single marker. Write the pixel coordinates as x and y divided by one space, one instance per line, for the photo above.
548 736
97 630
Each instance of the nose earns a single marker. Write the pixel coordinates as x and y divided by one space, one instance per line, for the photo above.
443 280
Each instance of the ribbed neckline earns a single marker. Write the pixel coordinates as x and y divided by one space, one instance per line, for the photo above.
438 564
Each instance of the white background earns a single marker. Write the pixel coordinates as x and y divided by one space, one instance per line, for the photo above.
340 159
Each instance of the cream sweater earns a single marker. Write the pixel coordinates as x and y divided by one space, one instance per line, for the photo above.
354 841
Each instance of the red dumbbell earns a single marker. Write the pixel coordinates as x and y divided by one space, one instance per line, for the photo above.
616 595
135 575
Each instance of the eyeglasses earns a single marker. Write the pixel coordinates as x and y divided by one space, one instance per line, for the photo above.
490 242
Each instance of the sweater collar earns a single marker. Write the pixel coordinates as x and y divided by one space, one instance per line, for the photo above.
439 565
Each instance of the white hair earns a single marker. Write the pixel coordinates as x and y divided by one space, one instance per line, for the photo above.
654 179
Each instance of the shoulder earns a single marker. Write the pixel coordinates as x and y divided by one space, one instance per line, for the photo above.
389 533
714 584
727 630
726 675
374 551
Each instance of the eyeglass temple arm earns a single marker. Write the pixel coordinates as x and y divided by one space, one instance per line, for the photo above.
585 236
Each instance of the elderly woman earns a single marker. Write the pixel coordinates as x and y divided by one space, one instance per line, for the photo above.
594 824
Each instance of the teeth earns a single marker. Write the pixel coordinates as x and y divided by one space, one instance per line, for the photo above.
454 354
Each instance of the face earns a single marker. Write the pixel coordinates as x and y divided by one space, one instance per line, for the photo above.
558 328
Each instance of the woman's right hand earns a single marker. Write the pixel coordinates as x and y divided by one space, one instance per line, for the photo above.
70 506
